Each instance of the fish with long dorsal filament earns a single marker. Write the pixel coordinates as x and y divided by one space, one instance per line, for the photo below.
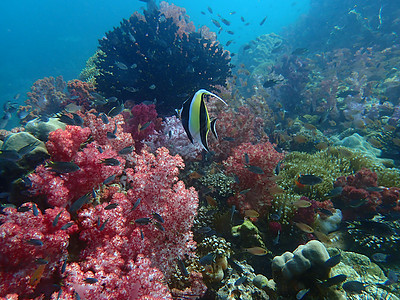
195 118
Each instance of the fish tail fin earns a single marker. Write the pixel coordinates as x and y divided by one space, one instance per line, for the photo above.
213 129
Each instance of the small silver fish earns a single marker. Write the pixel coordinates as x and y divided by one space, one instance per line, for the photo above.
121 65
55 221
157 217
255 169
116 110
143 221
109 179
35 210
64 266
90 280
380 257
35 242
136 204
111 206
126 150
66 226
104 225
300 295
104 118
111 162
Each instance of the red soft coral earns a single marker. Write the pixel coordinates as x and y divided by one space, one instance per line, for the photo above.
257 186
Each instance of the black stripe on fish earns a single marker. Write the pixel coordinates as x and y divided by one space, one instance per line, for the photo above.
213 129
203 123
185 118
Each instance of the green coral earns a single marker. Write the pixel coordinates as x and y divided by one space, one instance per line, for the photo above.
249 234
389 177
323 164
90 71
282 205
220 182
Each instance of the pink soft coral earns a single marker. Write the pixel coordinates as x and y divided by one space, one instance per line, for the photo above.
63 144
18 255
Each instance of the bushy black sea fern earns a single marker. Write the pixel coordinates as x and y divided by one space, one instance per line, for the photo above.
145 59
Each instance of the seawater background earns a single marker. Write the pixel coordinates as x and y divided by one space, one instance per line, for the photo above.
56 37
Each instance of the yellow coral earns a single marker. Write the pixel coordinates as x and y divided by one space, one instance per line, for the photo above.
90 71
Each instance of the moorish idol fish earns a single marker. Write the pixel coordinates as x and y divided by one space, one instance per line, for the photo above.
195 118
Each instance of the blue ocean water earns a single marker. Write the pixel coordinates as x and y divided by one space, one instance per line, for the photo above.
51 38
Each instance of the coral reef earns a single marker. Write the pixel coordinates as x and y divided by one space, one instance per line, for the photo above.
146 59
358 267
246 128
109 249
174 138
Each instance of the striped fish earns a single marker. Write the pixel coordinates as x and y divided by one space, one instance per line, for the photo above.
195 118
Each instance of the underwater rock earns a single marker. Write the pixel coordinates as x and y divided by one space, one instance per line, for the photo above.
359 267
303 258
17 141
329 224
240 285
263 283
308 267
41 130
357 142
35 149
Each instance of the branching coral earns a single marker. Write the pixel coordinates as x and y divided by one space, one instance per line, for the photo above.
146 59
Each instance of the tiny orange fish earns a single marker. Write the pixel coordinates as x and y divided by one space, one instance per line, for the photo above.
194 175
309 126
259 251
211 201
304 227
302 204
250 213
36 276
300 139
321 146
298 184
322 237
